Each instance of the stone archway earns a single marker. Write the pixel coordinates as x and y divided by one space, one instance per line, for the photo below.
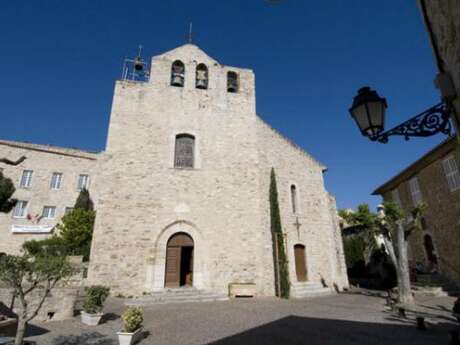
156 269
300 263
179 261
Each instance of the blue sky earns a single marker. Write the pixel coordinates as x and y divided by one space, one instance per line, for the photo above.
60 60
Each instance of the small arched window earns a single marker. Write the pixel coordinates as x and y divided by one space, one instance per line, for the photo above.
232 82
294 198
177 73
184 154
201 81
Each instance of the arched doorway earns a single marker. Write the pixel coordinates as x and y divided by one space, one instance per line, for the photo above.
300 263
430 253
179 261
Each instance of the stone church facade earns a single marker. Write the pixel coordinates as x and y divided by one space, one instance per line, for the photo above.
182 188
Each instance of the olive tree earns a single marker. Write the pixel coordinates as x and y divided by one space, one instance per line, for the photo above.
395 227
29 272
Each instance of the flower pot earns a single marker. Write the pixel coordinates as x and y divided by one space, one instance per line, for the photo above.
90 319
125 338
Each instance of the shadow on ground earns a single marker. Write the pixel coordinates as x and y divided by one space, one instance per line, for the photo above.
295 330
89 338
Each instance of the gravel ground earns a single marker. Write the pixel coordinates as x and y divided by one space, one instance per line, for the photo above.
352 318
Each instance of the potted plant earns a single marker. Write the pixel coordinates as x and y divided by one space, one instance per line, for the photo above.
132 326
93 305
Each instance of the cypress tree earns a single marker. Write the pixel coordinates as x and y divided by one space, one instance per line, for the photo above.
279 252
84 201
6 191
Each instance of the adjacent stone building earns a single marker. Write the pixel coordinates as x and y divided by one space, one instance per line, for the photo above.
47 185
442 22
433 179
182 188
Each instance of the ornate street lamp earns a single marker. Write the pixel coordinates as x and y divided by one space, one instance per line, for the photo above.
368 110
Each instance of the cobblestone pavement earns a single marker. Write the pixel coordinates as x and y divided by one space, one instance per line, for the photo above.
351 318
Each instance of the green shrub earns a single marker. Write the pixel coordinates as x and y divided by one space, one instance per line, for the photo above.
354 247
132 319
95 298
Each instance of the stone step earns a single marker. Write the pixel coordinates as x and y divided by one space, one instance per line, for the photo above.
434 284
312 293
176 296
309 290
307 286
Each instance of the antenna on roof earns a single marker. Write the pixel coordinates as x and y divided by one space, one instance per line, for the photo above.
190 32
135 69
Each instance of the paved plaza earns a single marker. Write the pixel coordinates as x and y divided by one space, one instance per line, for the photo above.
350 318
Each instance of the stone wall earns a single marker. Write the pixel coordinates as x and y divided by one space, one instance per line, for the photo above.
43 161
315 212
222 203
144 199
444 20
441 216
59 305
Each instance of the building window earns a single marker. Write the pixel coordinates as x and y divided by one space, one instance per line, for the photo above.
232 82
184 151
49 212
450 169
395 197
20 208
83 182
294 199
56 180
415 191
68 210
177 73
26 179
201 78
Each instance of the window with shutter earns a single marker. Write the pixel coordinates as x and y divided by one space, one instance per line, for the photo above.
184 151
415 191
451 171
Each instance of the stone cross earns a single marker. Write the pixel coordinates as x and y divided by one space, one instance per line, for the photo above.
297 225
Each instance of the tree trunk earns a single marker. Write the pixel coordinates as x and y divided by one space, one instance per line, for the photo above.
404 289
21 331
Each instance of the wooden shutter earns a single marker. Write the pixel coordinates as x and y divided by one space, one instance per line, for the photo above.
172 277
184 155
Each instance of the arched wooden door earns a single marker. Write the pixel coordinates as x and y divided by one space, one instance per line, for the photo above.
430 253
300 263
179 261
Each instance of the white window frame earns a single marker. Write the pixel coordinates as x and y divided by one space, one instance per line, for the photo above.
67 210
395 197
415 192
57 182
24 209
26 179
51 214
449 165
86 184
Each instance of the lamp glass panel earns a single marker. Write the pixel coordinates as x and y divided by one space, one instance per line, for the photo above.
361 118
376 113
